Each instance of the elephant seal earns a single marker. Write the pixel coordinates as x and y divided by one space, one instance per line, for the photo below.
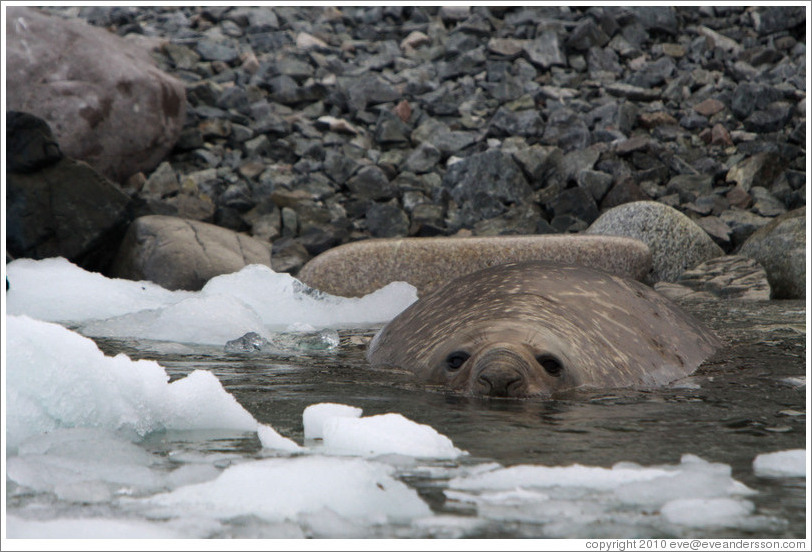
534 328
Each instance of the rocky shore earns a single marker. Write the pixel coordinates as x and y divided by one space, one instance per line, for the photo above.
311 127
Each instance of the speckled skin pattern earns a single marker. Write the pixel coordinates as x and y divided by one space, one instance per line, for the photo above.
534 328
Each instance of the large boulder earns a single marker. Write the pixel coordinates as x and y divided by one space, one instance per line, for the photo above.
57 206
780 247
677 243
358 268
106 101
184 254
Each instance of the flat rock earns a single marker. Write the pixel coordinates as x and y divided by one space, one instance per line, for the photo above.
726 277
358 268
780 247
117 111
184 254
677 243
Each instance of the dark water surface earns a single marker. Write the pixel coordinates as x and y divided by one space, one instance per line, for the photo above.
748 399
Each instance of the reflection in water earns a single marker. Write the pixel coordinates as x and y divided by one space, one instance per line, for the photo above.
746 400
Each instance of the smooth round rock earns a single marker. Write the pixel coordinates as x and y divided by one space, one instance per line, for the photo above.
178 253
355 269
780 247
677 243
104 98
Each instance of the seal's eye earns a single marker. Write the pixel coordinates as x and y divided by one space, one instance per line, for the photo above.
456 359
550 364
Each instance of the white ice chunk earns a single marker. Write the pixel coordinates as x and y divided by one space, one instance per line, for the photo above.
707 512
57 378
283 488
59 291
386 434
282 300
83 465
255 299
315 415
87 528
784 463
271 439
529 476
211 320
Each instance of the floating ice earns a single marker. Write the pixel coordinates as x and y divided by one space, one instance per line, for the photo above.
255 299
343 431
88 528
386 434
589 501
58 291
707 512
287 488
271 439
57 378
315 415
784 463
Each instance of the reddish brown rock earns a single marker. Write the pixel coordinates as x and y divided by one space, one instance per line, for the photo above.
709 107
116 111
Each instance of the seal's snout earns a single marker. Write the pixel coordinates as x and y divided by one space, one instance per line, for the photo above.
499 373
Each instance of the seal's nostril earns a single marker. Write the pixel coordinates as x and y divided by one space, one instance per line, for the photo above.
500 383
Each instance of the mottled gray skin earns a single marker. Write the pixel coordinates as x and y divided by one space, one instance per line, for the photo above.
534 328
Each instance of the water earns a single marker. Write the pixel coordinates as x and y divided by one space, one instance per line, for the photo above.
744 401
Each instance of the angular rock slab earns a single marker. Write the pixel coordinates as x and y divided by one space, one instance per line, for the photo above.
66 209
184 254
727 277
677 243
780 247
355 269
106 101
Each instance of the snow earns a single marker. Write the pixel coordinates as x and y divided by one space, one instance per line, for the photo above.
707 512
315 415
255 299
784 463
97 528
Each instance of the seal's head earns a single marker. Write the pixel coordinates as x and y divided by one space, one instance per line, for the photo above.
531 329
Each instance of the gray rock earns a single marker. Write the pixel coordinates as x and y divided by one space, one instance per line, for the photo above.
726 277
116 111
676 242
759 170
780 247
545 51
516 123
597 183
422 159
742 224
184 254
689 187
483 178
370 182
765 204
358 268
387 220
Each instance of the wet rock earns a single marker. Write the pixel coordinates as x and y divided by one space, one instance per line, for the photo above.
726 277
118 112
184 254
355 269
780 247
742 224
676 242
